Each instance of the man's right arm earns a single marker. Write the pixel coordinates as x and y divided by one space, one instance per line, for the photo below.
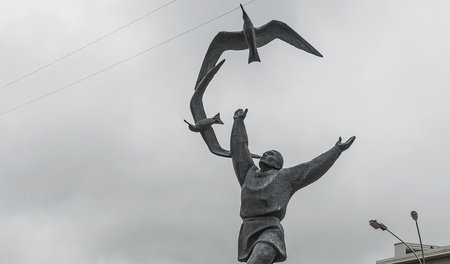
240 154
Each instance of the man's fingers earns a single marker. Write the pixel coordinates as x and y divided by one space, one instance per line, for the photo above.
350 140
240 113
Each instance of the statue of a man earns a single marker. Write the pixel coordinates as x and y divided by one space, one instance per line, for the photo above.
266 192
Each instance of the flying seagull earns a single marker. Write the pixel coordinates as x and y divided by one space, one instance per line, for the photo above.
251 38
198 113
205 123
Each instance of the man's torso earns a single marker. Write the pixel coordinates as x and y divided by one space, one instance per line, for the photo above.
265 194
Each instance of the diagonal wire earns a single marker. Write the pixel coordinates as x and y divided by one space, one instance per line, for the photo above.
85 46
120 62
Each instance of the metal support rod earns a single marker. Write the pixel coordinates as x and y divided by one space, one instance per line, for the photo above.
420 239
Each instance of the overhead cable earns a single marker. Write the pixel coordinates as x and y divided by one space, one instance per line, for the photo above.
85 46
120 62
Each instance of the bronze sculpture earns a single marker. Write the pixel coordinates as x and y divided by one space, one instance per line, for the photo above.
265 191
203 124
251 38
199 115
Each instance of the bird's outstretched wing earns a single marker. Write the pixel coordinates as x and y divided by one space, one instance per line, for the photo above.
221 42
197 109
279 30
198 113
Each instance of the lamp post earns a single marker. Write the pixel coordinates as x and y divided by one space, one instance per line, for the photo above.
414 216
378 225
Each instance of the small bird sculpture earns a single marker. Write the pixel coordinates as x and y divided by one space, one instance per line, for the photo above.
204 123
251 38
199 115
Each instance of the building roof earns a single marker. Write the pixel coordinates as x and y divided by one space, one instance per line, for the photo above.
404 255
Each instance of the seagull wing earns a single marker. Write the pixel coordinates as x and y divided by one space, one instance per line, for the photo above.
221 42
197 109
211 141
277 29
198 113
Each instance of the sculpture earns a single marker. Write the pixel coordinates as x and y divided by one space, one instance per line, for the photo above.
265 191
199 115
251 38
203 124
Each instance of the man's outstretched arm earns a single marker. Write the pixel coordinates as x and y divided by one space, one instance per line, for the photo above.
309 172
240 154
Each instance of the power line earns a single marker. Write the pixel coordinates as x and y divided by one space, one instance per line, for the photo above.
85 46
120 62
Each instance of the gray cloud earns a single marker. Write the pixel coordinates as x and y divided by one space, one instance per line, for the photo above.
106 171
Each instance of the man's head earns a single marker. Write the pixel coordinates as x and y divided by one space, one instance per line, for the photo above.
271 159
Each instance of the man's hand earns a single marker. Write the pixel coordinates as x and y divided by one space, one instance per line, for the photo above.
346 145
240 114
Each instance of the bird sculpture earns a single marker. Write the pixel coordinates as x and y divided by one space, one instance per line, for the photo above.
205 123
199 115
251 38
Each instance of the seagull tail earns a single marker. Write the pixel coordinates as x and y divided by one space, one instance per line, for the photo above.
253 56
217 119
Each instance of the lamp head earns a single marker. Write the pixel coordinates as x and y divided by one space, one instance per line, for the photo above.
414 215
377 225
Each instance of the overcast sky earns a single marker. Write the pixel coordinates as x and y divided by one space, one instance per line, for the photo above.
106 171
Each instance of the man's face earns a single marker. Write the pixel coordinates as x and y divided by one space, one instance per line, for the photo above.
272 159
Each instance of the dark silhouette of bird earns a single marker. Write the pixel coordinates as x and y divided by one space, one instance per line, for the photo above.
251 38
205 123
198 113
249 34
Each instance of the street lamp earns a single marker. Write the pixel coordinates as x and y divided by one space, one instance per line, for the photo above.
378 225
414 217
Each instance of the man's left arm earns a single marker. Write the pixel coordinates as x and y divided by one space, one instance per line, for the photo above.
309 172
